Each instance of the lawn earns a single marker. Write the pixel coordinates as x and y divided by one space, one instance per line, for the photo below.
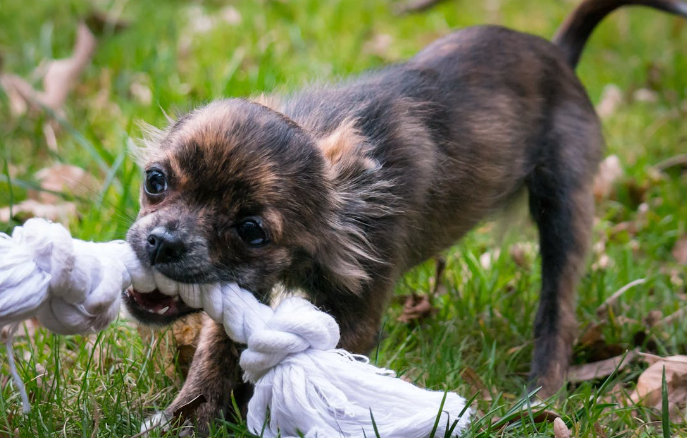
177 54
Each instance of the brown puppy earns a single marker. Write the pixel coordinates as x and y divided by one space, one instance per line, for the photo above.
338 191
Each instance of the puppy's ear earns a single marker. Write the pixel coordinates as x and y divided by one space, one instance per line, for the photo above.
345 151
359 195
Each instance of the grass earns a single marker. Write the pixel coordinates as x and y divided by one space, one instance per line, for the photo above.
104 385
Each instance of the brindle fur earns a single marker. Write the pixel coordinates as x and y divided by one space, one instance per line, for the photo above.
358 182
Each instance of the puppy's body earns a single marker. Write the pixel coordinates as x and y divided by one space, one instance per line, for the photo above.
352 185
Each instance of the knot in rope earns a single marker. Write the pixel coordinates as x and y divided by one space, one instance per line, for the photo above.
69 285
270 335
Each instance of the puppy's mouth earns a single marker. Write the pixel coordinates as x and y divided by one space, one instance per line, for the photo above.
154 307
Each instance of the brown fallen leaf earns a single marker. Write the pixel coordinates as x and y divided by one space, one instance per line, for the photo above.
25 329
523 254
416 308
186 334
611 97
380 45
414 6
603 368
473 379
560 430
610 171
60 178
680 250
60 77
600 431
25 210
676 316
63 178
648 389
592 333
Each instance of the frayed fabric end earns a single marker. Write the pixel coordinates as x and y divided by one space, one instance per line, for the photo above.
26 406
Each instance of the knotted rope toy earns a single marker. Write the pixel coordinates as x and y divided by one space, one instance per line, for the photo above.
303 384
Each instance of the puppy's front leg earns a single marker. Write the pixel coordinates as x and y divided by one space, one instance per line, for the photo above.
215 374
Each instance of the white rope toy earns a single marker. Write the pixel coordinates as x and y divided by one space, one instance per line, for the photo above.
303 384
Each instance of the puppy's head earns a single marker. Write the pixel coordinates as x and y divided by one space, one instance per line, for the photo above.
232 192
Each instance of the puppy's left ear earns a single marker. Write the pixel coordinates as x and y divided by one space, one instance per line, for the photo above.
346 152
359 195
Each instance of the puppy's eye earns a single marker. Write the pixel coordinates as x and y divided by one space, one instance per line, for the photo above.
155 183
251 232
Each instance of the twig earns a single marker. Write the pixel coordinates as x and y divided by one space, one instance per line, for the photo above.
610 301
677 160
413 6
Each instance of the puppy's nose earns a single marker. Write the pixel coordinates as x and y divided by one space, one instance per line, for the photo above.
164 246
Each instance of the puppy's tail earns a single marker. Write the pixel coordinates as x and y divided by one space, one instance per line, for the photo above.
576 29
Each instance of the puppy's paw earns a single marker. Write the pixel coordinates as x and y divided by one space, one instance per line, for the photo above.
163 421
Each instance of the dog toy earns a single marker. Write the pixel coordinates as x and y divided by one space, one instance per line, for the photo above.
303 384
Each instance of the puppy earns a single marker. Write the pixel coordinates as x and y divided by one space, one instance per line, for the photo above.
337 191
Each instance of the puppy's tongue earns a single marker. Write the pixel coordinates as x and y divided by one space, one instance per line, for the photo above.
155 301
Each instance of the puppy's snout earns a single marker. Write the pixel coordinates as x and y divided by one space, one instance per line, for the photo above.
164 246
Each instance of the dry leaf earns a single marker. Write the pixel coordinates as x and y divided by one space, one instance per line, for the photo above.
648 390
603 368
416 308
380 45
560 430
25 329
680 250
183 336
60 77
611 97
186 333
140 90
473 379
412 6
645 95
63 178
610 171
25 210
592 334
199 22
58 178
230 15
523 254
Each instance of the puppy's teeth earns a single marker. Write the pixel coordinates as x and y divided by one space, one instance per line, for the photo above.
150 311
166 285
176 298
163 310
